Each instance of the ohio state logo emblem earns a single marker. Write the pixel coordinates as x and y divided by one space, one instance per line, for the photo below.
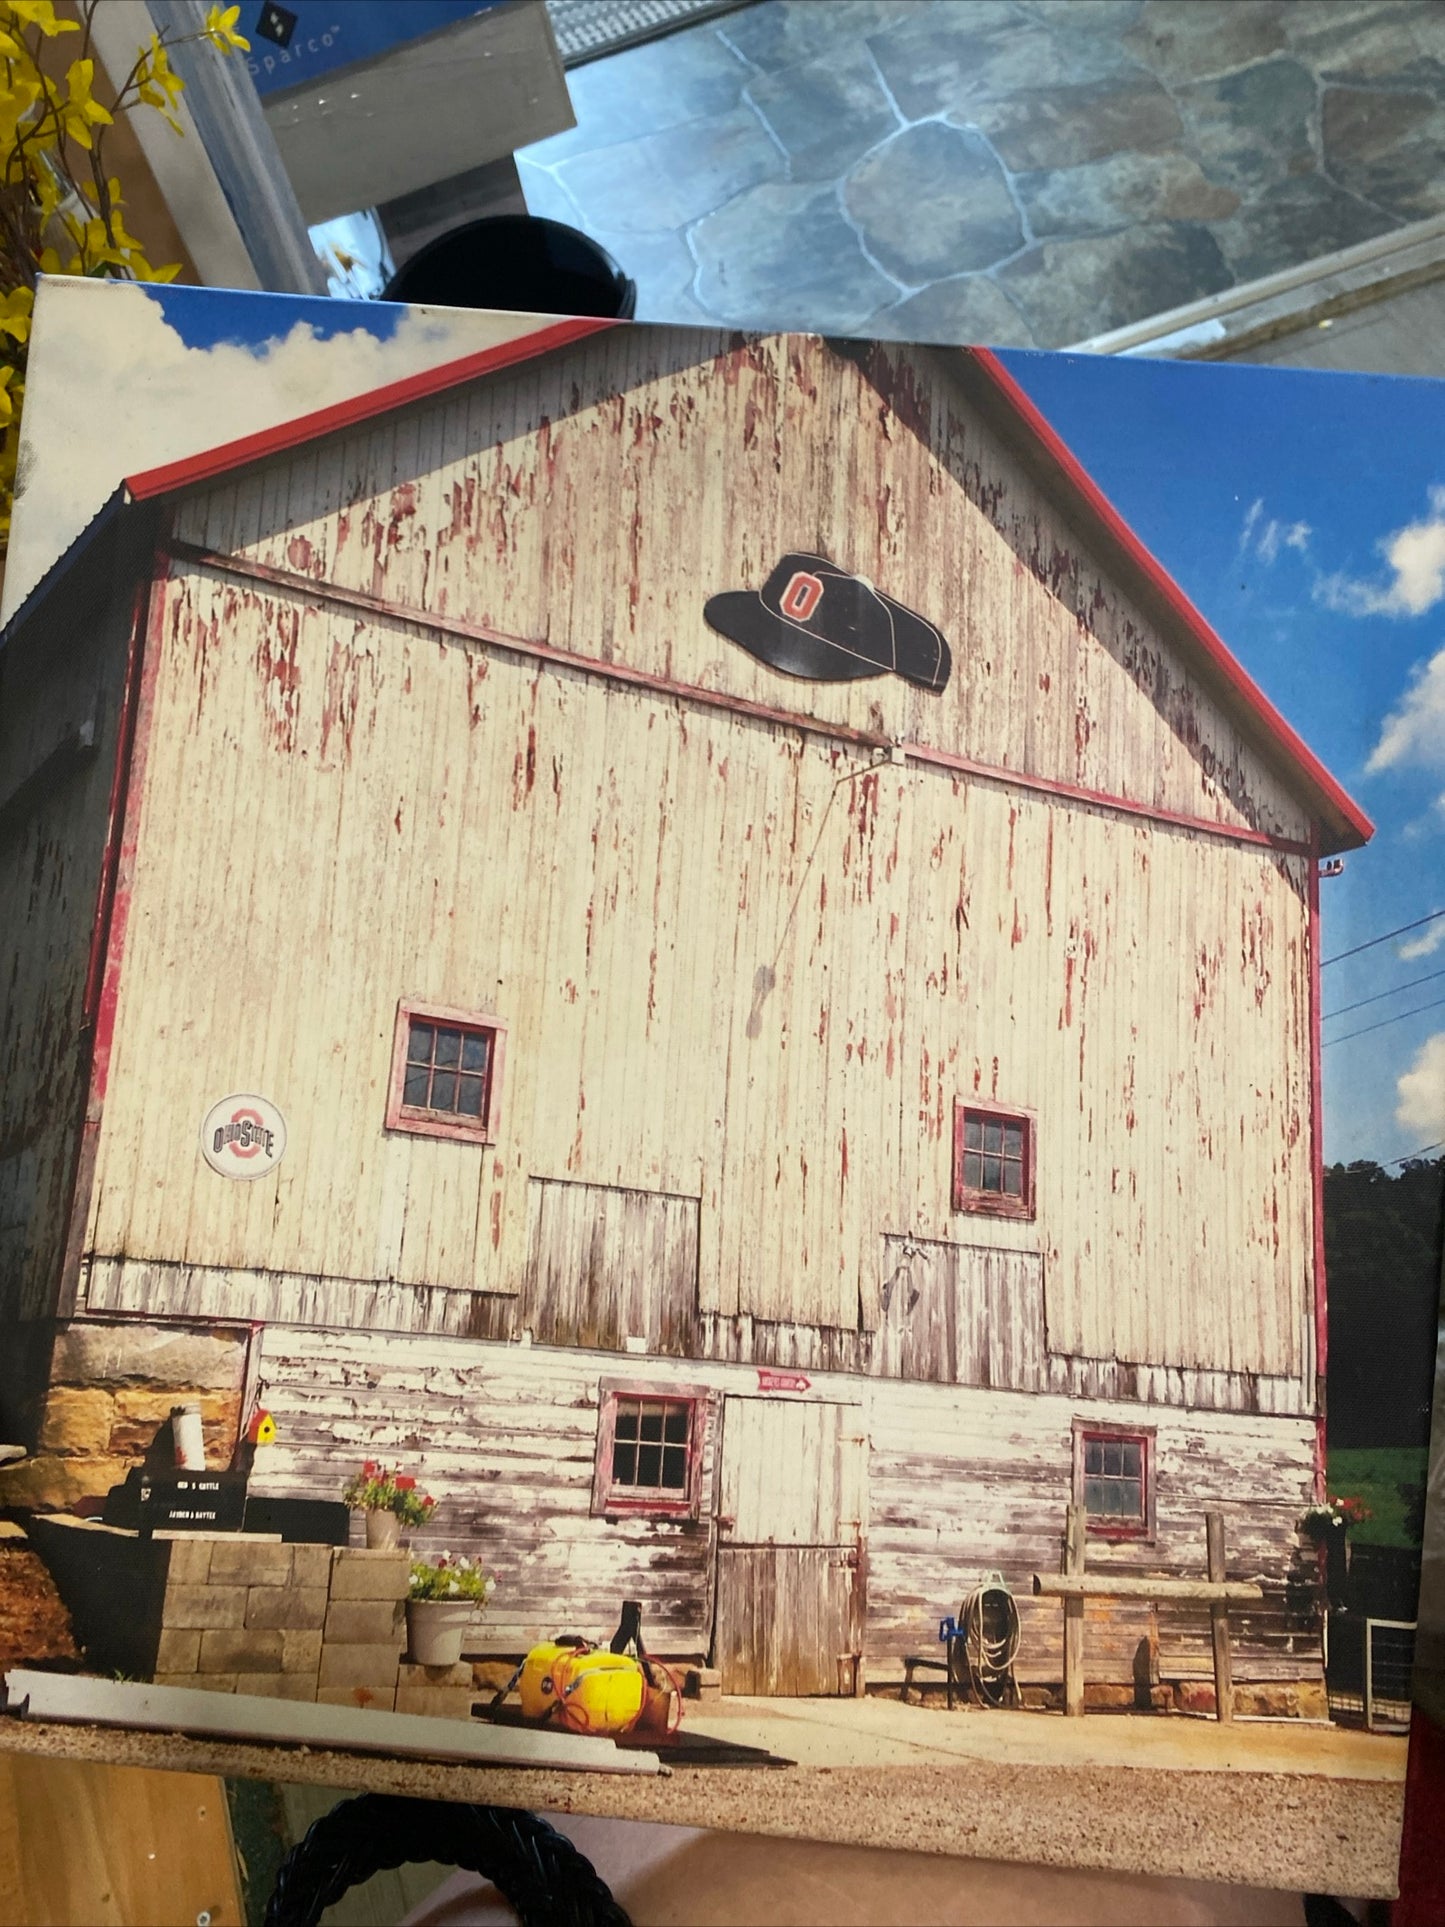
243 1136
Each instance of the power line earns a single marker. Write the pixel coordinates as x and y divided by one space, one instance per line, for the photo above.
1397 1018
1440 1146
1419 921
1413 984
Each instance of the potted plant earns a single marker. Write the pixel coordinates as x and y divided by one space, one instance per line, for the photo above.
440 1605
1319 1524
390 1501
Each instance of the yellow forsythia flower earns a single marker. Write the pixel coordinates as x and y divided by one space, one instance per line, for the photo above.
15 311
40 13
82 111
7 404
220 30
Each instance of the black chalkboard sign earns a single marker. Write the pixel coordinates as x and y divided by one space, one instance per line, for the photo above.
192 1501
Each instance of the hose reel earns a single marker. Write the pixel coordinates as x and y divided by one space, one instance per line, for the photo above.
982 1651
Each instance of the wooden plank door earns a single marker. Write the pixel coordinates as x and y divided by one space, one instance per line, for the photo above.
790 1534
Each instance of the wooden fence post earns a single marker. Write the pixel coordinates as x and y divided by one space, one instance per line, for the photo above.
1074 1615
1219 1620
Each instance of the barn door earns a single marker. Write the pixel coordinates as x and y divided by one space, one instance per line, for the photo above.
790 1528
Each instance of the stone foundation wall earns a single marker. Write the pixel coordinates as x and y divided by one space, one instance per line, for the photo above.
319 1623
111 1391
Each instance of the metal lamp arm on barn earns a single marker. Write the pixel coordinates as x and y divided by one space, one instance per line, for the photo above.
749 967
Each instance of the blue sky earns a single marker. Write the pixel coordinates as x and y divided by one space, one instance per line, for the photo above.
1304 515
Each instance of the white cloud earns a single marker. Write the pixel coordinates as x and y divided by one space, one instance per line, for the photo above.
1266 535
1414 730
112 389
1420 1091
1416 558
1429 941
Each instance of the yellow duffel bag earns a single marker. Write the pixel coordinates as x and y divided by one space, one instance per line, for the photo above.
585 1689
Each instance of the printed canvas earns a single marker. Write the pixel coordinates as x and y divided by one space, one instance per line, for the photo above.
726 1047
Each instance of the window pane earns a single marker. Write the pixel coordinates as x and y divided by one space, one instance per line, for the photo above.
993 1135
674 1467
469 1096
449 1046
1093 1457
418 1047
651 1423
649 1465
624 1463
413 1090
972 1132
625 1426
444 1091
474 1051
973 1171
1131 1464
1094 1496
675 1425
1013 1140
992 1181
1113 1458
1013 1180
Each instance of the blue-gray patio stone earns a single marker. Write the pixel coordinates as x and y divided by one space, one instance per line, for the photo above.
932 202
1119 191
783 256
1253 126
781 33
1070 290
929 72
686 76
1386 146
1207 37
667 179
1295 221
965 308
1066 126
1396 42
826 113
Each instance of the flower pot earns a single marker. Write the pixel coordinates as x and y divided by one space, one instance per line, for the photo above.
435 1629
383 1532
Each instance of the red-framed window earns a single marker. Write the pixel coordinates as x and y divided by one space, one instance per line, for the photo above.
446 1072
993 1160
1114 1479
649 1450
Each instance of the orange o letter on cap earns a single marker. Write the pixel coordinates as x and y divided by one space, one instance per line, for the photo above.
802 595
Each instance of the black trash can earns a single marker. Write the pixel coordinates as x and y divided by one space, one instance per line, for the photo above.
518 262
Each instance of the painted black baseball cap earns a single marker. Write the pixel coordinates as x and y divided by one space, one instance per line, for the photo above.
815 620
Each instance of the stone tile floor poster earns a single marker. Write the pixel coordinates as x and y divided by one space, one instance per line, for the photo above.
757 975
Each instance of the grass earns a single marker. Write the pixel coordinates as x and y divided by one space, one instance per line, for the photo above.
1383 1476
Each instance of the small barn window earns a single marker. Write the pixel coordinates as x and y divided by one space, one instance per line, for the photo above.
446 1068
1114 1480
993 1161
649 1450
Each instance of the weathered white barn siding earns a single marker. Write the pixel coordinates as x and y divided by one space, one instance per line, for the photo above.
594 499
959 1481
61 694
738 965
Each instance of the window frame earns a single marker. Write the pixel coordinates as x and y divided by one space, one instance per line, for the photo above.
628 1502
1118 1531
994 1204
417 1122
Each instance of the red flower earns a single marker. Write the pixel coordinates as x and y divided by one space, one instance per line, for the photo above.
368 1471
405 1484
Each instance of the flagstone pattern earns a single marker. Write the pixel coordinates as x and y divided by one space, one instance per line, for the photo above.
1021 172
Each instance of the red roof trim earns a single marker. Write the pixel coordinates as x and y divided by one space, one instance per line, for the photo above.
1225 666
358 408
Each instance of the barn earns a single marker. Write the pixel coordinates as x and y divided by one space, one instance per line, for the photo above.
749 968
